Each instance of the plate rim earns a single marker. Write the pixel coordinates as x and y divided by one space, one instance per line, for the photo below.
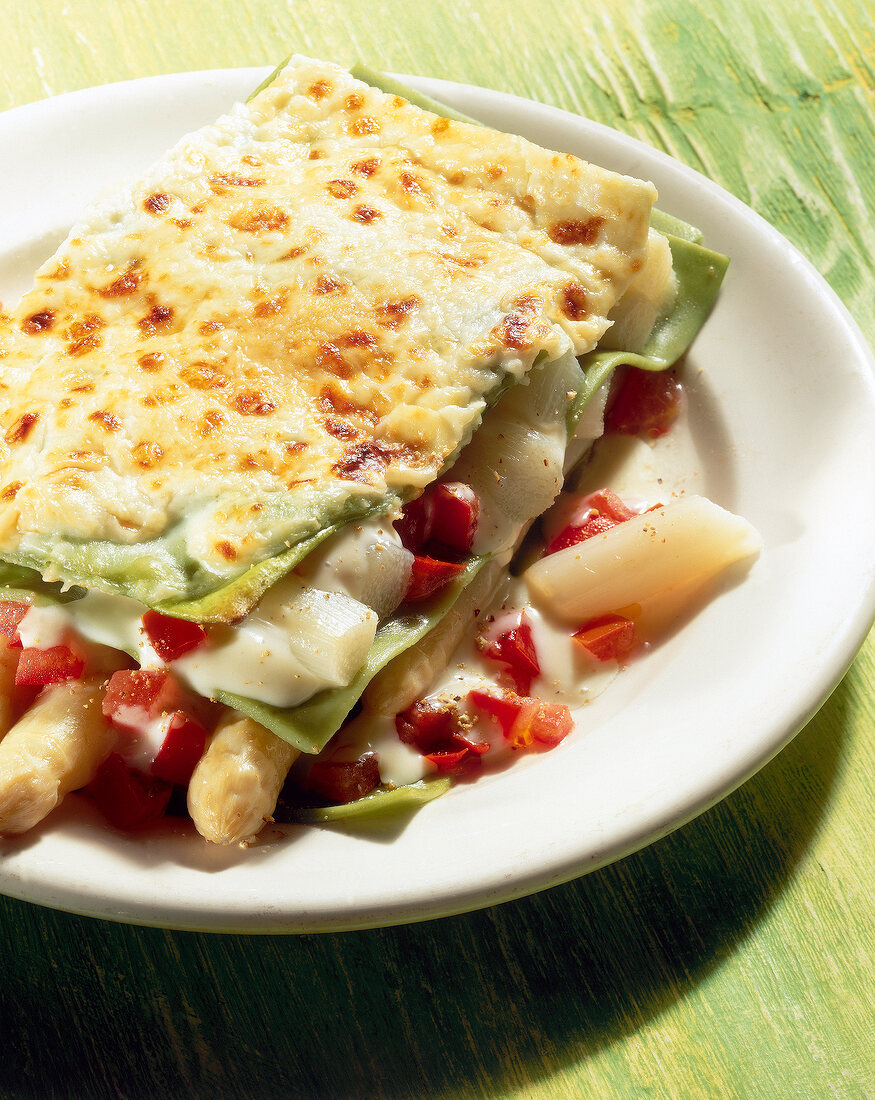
569 865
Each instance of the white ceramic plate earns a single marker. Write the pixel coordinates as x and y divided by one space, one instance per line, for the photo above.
783 418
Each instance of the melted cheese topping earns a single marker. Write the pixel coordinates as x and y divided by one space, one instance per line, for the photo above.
300 312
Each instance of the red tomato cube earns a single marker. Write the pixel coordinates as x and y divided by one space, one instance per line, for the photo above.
647 403
127 799
135 697
515 648
430 575
608 637
182 748
606 510
170 637
56 665
345 781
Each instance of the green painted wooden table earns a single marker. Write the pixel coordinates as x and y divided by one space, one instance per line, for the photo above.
731 959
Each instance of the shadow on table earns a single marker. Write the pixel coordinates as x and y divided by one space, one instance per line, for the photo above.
471 1005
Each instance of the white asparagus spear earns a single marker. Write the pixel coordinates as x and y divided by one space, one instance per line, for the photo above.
235 785
54 748
683 544
8 665
412 672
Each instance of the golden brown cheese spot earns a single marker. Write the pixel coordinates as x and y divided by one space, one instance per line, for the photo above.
328 284
527 202
22 428
86 387
393 314
320 89
353 101
358 339
457 177
227 551
330 359
151 361
61 271
295 447
440 126
463 261
270 307
315 154
341 189
574 304
124 285
181 223
362 462
268 219
38 322
365 214
365 167
107 420
203 376
156 204
636 264
335 404
494 172
207 327
340 429
251 160
253 403
147 453
364 125
412 184
8 492
449 230
294 253
84 335
220 182
261 460
212 419
158 318
164 396
514 330
575 232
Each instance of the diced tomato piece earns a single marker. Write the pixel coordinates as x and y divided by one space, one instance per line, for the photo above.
433 728
606 510
608 637
647 403
345 780
182 748
11 614
446 513
458 754
170 637
56 665
515 648
414 526
426 723
430 575
525 721
127 799
135 697
455 512
552 723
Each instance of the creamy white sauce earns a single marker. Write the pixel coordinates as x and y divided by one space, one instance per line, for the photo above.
44 627
139 750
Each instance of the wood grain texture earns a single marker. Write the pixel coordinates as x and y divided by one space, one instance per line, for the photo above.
731 959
